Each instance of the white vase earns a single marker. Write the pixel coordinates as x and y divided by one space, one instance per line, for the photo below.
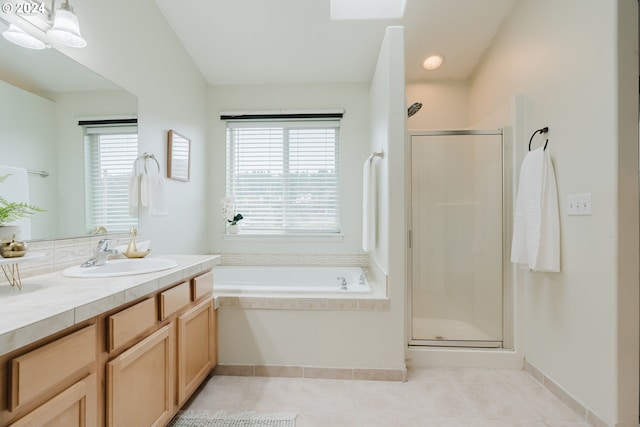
8 231
233 228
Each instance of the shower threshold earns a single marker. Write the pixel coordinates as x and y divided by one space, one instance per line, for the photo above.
455 343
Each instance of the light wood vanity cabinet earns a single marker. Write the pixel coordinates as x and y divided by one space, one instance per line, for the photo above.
133 366
139 382
196 347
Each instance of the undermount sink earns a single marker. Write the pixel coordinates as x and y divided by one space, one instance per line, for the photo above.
122 267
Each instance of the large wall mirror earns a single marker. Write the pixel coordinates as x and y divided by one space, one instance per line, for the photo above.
43 96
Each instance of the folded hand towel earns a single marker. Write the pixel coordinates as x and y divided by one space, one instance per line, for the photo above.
536 223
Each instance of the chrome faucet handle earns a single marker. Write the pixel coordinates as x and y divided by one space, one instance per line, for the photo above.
343 282
103 245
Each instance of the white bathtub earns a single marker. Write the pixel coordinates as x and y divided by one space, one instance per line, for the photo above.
280 280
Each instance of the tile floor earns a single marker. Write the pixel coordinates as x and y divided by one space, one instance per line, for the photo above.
438 397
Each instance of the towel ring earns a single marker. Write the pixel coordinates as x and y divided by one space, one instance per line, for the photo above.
540 131
146 157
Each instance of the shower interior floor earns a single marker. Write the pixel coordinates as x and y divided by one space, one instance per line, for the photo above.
448 330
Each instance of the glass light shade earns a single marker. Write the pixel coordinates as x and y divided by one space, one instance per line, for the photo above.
18 36
65 29
433 62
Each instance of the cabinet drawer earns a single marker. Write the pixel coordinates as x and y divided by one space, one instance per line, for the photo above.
55 364
130 323
202 285
174 299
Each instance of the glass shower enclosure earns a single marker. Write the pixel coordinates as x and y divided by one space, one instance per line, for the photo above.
456 290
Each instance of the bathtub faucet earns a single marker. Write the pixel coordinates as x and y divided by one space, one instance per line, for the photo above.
343 283
363 278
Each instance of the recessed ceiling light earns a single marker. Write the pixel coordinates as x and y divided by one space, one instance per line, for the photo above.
432 62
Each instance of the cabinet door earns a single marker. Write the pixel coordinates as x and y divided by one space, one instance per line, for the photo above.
140 383
74 407
197 356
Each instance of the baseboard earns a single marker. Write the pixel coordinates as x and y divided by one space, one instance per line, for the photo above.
564 396
398 375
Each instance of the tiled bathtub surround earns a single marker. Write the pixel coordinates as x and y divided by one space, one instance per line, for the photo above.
295 303
359 260
377 280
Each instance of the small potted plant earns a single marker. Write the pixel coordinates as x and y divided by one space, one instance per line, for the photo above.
229 214
11 211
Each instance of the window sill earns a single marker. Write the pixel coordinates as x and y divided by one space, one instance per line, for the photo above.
294 237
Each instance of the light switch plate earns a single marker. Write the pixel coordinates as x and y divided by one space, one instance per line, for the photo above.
579 204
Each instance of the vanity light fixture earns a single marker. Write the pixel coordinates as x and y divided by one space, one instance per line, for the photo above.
20 37
65 28
432 62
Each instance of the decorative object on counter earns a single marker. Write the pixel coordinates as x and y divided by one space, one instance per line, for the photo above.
100 229
11 270
229 214
12 248
178 156
132 250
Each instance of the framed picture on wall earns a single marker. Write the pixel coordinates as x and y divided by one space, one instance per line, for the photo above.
178 156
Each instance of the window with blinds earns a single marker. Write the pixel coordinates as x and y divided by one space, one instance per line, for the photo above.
284 175
110 153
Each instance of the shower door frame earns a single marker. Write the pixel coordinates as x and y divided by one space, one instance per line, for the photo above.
507 308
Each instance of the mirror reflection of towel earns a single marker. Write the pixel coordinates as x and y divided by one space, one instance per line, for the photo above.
536 223
15 188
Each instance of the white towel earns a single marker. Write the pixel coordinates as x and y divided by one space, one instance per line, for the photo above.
157 203
536 223
368 206
16 189
146 184
134 189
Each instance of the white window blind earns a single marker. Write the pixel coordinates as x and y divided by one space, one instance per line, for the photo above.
285 175
110 153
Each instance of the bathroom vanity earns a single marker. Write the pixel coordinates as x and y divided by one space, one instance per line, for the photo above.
116 351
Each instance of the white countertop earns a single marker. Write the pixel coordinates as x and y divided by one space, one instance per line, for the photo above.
51 302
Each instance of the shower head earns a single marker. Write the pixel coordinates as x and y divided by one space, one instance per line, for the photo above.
414 108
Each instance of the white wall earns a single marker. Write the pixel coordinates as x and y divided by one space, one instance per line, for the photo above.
444 104
581 327
27 140
138 51
353 98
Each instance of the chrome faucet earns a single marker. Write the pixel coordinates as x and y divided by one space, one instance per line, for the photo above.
343 283
102 253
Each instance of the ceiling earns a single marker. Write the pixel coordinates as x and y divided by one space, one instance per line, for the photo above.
242 42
